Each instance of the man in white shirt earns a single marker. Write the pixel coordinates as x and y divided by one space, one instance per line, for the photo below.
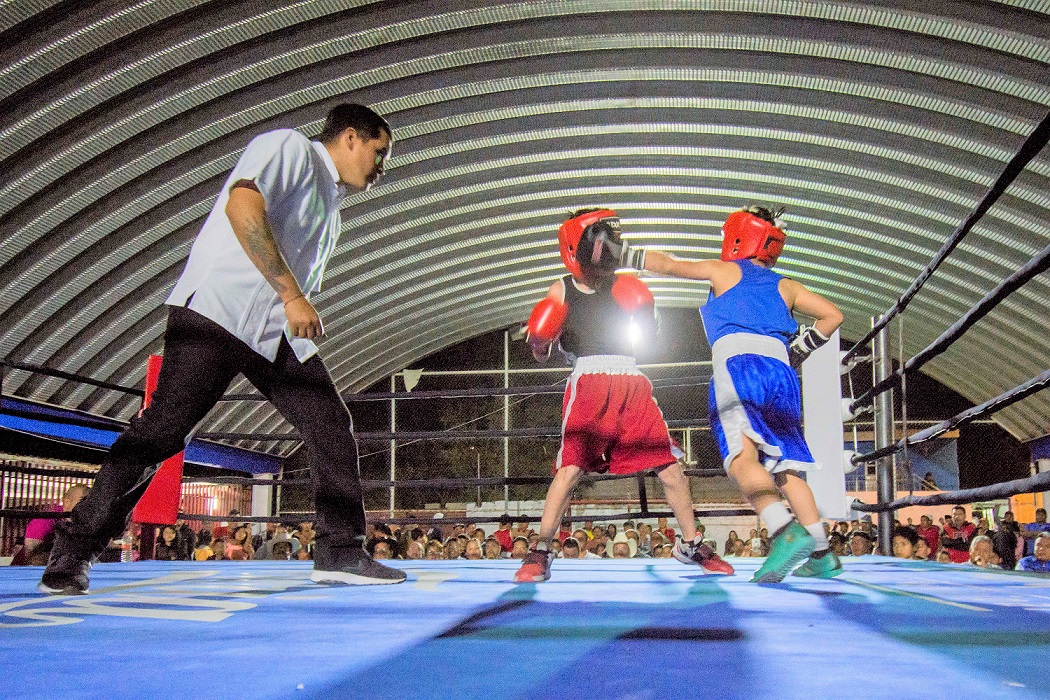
243 306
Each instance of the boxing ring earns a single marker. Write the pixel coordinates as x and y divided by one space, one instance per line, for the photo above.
460 629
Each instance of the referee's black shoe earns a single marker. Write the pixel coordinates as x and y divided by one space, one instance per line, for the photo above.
351 566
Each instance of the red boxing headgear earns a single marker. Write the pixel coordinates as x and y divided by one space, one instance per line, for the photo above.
590 244
746 236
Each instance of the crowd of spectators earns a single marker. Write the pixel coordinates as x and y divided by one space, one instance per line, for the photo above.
952 539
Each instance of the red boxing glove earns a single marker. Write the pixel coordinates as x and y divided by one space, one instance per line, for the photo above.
545 321
631 294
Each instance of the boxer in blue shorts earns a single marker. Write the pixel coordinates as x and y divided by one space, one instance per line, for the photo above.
755 400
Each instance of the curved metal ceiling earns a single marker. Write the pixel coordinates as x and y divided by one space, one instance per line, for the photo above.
877 124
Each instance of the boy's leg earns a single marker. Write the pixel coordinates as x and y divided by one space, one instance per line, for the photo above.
791 542
822 563
680 499
536 566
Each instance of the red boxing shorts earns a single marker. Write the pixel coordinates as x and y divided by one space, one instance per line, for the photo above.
610 420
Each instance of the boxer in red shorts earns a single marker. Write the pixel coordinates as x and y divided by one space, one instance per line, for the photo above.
610 421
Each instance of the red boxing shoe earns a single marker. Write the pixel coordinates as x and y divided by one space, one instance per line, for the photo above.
704 557
535 567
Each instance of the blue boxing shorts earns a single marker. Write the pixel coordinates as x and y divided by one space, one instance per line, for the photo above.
755 392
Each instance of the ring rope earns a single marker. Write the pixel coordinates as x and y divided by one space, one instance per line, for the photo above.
1031 147
1033 484
1022 391
47 371
1035 266
430 434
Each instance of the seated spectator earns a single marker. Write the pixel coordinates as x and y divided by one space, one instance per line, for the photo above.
943 557
414 549
382 549
1039 562
281 550
982 553
625 545
556 547
837 543
738 548
239 548
521 529
472 550
1004 542
519 547
860 543
1030 531
306 533
187 541
493 549
929 532
203 548
565 531
905 542
453 548
666 530
279 534
730 542
40 532
218 549
168 547
502 533
435 550
570 548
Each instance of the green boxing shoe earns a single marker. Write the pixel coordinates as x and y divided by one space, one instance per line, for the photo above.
790 546
827 566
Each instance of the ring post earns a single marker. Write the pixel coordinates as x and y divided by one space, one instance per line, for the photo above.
884 437
159 504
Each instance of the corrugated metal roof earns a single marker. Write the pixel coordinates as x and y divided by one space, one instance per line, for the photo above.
879 125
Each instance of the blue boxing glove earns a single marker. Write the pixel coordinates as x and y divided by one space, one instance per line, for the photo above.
803 343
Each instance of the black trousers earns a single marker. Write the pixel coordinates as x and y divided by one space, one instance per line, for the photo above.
201 358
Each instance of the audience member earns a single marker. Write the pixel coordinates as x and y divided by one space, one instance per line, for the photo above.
40 532
1032 530
519 547
168 547
1039 562
957 536
982 553
860 543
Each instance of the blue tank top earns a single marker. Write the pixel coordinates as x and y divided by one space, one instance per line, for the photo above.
753 305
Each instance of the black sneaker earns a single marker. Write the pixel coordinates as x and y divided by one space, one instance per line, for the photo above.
66 574
354 568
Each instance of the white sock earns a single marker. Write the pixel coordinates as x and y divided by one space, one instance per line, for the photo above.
819 536
542 546
775 516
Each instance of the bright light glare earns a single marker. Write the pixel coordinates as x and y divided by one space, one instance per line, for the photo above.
634 332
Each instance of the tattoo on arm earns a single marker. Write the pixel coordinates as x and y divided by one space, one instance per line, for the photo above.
262 249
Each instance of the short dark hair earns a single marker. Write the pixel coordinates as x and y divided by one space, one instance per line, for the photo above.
361 119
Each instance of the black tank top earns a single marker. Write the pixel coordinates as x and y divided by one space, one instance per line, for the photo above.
595 324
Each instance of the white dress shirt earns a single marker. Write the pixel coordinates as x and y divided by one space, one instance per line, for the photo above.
298 181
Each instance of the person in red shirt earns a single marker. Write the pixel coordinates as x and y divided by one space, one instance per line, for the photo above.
931 533
957 535
502 534
665 530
